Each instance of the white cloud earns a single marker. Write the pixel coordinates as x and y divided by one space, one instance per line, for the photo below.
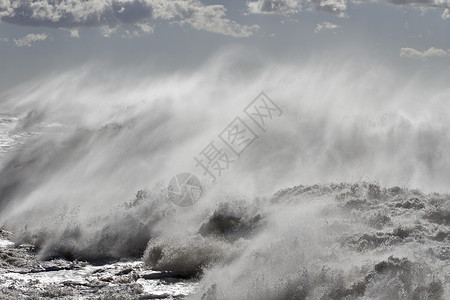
283 7
286 7
29 39
135 17
335 7
431 52
212 18
446 14
4 39
326 26
74 33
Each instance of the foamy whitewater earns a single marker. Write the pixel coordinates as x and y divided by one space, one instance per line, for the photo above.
345 196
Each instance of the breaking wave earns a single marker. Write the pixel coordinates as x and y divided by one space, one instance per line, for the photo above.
94 138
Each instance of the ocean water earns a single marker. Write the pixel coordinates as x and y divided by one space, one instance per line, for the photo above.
345 196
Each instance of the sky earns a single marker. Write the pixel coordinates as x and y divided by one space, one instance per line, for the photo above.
41 36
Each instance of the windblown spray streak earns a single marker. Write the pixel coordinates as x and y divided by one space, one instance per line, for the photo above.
72 191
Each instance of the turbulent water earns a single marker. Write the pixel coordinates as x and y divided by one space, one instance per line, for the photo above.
85 164
337 241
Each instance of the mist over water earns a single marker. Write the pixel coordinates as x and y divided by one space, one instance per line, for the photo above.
90 182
